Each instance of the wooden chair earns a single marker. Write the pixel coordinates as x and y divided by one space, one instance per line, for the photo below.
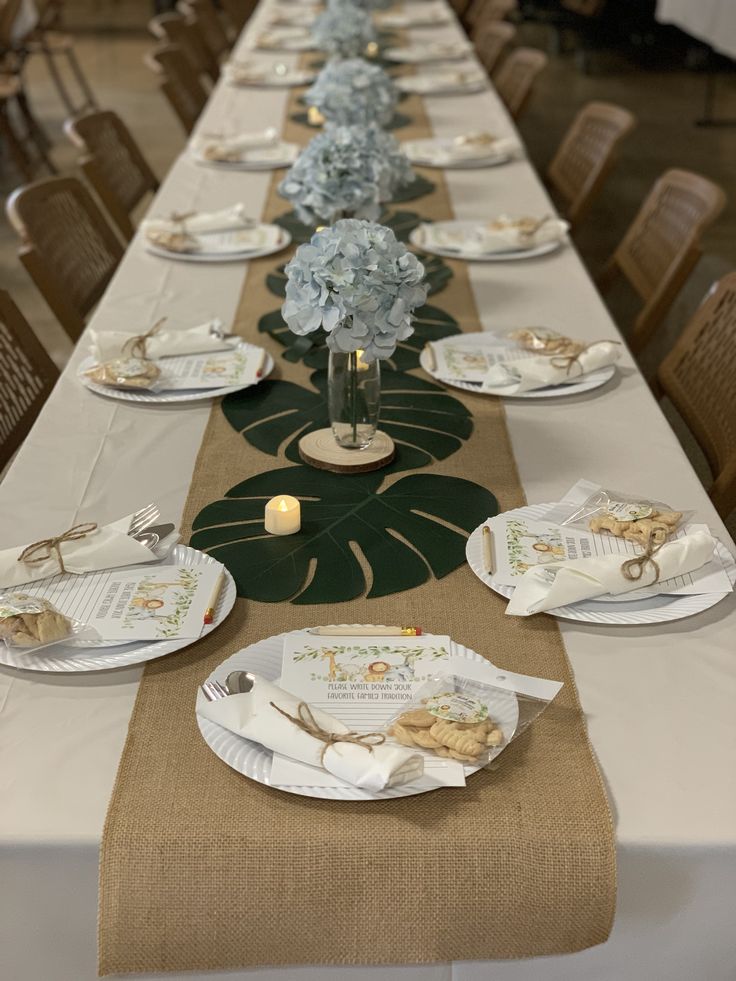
490 40
179 84
662 246
182 32
68 248
482 12
113 164
514 80
460 7
204 16
28 374
586 155
238 12
699 378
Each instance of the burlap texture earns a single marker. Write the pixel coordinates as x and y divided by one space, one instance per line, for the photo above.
203 869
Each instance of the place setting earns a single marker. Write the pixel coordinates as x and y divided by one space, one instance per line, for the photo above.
466 151
502 239
244 151
96 597
429 51
527 363
256 74
168 364
229 235
426 15
603 557
445 80
362 712
290 38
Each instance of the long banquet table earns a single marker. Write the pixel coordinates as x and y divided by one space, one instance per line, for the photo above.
659 701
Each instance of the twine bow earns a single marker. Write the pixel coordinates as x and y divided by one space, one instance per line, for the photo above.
566 360
135 347
306 721
39 552
633 569
180 217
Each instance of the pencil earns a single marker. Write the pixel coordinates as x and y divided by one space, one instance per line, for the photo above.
487 550
261 364
209 613
359 631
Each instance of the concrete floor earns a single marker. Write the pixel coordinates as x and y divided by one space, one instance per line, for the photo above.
666 103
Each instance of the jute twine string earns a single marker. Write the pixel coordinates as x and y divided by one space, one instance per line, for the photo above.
38 552
633 569
306 721
566 361
136 347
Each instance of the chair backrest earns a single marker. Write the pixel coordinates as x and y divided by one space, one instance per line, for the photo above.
183 32
584 8
204 16
27 375
180 85
515 78
662 245
699 377
238 12
484 11
460 6
586 154
68 248
490 40
112 163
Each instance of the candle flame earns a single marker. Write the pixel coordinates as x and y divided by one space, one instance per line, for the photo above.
283 506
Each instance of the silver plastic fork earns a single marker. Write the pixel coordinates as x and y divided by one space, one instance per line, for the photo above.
215 690
143 519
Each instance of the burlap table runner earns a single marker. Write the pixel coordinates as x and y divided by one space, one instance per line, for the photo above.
203 869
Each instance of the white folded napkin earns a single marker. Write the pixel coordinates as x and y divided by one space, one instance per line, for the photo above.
229 219
109 547
231 147
443 151
512 377
562 583
251 715
202 339
501 235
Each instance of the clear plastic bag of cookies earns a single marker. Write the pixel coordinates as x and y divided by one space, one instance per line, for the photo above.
468 719
30 623
635 518
127 374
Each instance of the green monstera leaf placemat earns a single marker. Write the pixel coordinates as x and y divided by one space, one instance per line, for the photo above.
337 510
414 412
418 188
430 324
402 223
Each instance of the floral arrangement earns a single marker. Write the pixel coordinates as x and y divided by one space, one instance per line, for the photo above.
344 30
353 91
359 283
346 169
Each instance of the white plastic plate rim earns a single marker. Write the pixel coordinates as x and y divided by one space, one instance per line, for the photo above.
253 761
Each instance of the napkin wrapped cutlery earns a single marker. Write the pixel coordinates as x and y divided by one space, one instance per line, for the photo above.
562 583
261 715
512 377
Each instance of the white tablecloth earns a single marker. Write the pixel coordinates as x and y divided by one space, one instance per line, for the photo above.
660 702
712 21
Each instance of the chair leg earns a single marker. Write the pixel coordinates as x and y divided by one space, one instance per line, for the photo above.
35 133
58 82
14 145
89 100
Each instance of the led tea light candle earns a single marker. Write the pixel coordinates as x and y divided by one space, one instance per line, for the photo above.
283 515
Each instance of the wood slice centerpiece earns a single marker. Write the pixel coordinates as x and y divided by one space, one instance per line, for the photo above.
320 450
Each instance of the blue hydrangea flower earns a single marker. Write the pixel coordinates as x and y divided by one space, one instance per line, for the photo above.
359 283
350 169
353 91
343 29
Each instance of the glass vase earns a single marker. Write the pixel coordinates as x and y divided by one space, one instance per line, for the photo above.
354 399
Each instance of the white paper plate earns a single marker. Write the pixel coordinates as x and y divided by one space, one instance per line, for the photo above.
252 760
444 88
224 254
285 160
175 395
593 379
61 658
476 163
614 610
416 238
